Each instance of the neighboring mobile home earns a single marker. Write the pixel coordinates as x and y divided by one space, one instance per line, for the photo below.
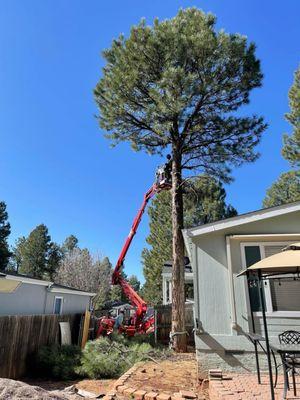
167 282
22 295
218 253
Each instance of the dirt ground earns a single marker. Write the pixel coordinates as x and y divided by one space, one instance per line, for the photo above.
169 376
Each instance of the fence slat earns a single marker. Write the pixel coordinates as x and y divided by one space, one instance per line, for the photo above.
21 336
164 322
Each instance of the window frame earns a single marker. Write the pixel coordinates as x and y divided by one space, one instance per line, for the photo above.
61 304
268 298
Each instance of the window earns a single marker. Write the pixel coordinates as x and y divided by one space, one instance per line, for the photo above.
58 303
281 293
189 291
253 255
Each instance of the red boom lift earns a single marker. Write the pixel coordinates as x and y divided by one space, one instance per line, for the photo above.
139 323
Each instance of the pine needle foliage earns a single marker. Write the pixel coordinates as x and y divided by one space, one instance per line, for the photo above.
285 190
287 187
107 358
291 149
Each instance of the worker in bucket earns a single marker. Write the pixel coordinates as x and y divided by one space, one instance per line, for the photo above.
163 173
119 320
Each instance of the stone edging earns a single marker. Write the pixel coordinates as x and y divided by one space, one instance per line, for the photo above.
129 392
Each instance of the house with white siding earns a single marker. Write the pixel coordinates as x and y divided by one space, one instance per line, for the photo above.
218 252
23 295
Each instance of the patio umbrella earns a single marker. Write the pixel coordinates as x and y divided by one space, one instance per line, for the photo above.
287 261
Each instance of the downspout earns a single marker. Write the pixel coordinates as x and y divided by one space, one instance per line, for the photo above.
234 325
46 297
197 323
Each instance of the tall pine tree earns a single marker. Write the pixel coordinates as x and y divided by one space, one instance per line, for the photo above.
204 202
177 86
4 233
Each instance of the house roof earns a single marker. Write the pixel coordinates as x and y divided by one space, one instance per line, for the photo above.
52 286
169 264
242 219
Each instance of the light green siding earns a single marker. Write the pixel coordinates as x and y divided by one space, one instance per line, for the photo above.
213 308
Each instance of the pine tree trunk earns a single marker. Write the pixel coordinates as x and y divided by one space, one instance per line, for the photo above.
178 295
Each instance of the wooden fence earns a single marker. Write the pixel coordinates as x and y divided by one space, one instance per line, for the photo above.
22 336
163 321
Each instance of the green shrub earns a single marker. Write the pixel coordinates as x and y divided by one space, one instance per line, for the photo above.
110 358
58 362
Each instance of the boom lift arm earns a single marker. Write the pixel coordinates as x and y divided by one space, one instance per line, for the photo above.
163 182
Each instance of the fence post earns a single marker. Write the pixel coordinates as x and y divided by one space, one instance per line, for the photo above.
155 326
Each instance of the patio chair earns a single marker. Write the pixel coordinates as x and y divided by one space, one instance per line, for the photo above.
290 360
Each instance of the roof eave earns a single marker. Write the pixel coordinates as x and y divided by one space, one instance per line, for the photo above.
242 219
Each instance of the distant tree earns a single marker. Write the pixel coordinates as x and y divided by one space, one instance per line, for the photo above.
4 233
77 269
116 294
285 190
36 255
17 253
176 86
134 282
103 293
70 243
291 149
54 257
160 246
204 201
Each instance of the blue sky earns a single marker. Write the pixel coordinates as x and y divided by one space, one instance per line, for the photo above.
55 166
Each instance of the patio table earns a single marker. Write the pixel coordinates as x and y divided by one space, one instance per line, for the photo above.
283 350
256 339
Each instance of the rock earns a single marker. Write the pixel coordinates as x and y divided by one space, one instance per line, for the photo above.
188 394
86 394
10 389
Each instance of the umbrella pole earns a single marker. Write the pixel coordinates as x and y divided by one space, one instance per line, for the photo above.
263 310
254 331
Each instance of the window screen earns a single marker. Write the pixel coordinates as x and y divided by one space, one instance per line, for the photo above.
285 294
270 250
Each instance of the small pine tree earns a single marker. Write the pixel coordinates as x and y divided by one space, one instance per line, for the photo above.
103 294
4 233
291 149
36 255
285 190
70 243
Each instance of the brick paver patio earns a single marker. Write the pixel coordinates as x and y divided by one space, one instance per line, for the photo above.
245 386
